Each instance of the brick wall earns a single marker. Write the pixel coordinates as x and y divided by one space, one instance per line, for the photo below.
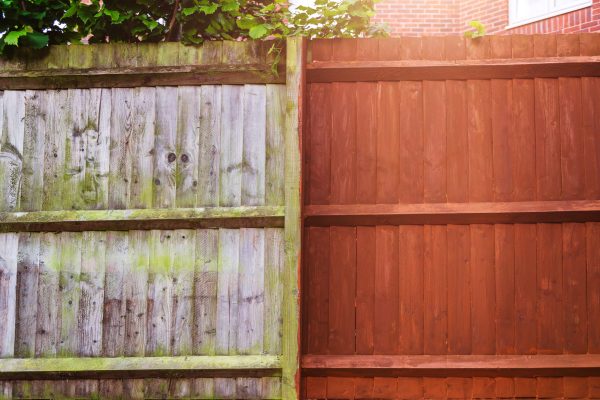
443 17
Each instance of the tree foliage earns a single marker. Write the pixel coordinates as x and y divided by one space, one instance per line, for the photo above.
36 23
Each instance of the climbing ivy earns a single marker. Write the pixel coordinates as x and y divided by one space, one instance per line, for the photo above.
37 23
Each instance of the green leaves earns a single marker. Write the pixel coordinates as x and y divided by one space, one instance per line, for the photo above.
478 32
258 31
37 23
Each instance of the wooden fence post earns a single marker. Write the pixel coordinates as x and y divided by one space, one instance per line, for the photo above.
295 81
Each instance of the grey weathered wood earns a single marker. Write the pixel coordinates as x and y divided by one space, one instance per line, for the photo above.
48 310
275 156
184 255
75 144
188 135
9 243
27 293
70 292
91 310
251 303
231 145
210 144
135 288
121 126
227 303
205 307
254 141
11 148
36 114
274 264
113 327
142 145
164 147
58 124
160 305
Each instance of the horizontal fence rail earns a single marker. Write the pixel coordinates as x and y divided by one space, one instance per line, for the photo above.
453 213
453 365
418 70
176 366
121 220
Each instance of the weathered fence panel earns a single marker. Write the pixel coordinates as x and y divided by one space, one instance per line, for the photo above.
142 223
452 210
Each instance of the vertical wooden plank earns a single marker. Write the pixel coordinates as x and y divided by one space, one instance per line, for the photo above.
227 304
593 285
159 304
525 289
483 297
121 125
504 238
275 157
28 265
344 49
410 272
501 108
571 139
54 149
366 142
9 245
388 143
274 263
386 310
522 46
590 128
567 45
319 167
574 288
254 145
459 290
411 143
231 145
36 109
113 329
48 282
69 292
210 143
74 172
457 141
550 387
548 139
97 158
142 145
318 257
434 142
164 147
389 49
343 144
205 306
550 307
365 289
296 83
90 315
135 289
251 295
435 303
11 148
183 302
188 146
505 386
480 141
523 140
342 290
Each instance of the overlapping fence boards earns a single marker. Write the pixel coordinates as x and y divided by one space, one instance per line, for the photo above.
161 148
414 283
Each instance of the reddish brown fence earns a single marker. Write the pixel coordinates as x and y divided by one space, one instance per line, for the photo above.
452 242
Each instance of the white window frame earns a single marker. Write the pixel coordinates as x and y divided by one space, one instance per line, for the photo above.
552 11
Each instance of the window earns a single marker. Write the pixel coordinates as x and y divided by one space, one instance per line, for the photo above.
523 12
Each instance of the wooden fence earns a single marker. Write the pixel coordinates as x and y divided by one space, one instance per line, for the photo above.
148 246
150 220
451 214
